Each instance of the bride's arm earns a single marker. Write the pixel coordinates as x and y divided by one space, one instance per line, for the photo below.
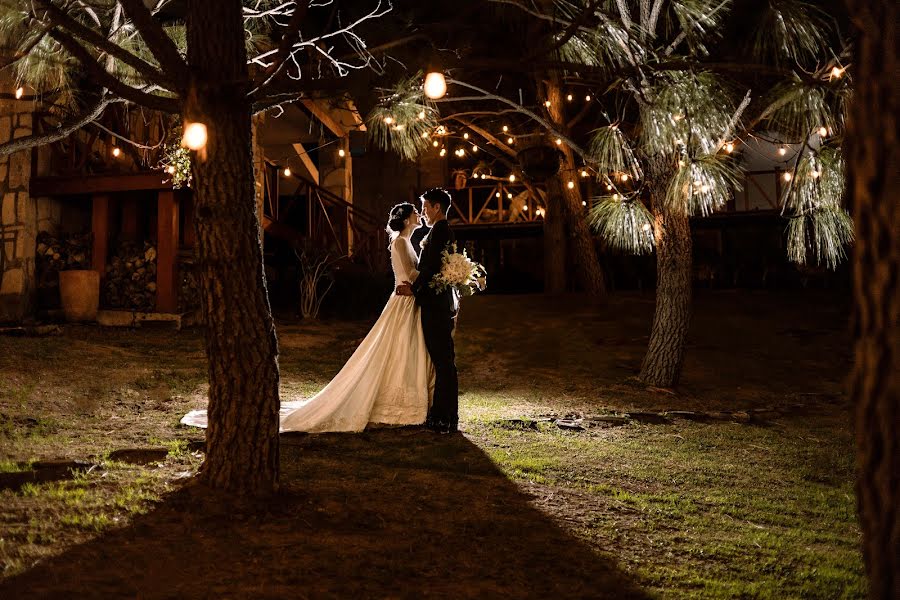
401 248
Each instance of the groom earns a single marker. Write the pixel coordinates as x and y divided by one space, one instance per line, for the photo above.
438 312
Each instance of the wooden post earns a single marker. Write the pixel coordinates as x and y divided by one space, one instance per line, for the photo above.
469 220
100 228
167 247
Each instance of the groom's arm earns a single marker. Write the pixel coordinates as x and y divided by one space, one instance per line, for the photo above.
432 260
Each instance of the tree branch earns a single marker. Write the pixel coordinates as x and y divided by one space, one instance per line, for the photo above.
159 43
288 38
126 92
60 18
62 131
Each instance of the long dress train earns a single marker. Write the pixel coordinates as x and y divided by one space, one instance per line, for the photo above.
388 380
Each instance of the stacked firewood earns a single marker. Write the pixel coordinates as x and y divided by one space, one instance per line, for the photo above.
56 254
131 277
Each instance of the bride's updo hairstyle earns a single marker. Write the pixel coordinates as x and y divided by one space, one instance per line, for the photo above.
396 218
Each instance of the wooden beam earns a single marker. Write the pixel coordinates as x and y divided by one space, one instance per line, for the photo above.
166 250
321 112
97 184
307 162
100 229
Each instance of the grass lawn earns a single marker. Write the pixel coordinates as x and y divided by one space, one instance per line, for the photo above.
751 498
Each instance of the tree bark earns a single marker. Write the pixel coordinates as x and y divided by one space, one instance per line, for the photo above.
872 159
555 275
584 252
241 345
672 317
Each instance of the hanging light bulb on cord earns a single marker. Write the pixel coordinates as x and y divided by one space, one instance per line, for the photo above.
435 85
195 136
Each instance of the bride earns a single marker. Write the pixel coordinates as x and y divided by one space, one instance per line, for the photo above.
389 379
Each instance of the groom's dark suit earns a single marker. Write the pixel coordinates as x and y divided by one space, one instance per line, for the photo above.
438 313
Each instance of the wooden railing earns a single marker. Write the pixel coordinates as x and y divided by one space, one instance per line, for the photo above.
499 202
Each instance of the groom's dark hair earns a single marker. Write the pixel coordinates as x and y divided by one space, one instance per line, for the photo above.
438 196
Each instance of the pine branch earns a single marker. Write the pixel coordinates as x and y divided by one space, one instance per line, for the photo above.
104 78
61 19
62 131
160 44
288 38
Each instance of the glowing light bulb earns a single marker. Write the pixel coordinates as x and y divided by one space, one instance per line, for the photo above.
584 202
615 196
787 176
584 173
512 178
195 136
170 170
836 72
508 195
466 136
509 140
287 172
569 97
624 177
342 153
483 176
497 194
116 152
443 151
558 142
435 85
823 131
587 98
608 187
434 143
474 148
571 184
547 104
782 151
422 115
20 91
525 208
424 134
389 119
729 147
505 129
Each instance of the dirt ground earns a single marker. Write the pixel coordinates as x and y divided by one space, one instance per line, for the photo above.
569 479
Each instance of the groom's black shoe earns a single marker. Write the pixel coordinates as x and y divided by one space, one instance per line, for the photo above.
444 427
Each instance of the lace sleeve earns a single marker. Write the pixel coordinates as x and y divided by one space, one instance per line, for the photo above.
404 253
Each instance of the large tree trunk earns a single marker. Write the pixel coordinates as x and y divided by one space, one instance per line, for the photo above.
665 352
241 346
583 250
872 158
555 276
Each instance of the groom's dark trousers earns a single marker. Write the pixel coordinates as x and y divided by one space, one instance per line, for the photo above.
438 321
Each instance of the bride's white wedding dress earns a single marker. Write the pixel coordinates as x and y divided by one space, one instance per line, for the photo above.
389 379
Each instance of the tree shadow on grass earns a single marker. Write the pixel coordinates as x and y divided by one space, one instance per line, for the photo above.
383 514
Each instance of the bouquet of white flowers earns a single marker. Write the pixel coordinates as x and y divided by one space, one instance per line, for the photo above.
460 273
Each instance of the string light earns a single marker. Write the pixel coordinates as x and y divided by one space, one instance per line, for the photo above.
424 134
729 147
443 151
497 194
782 151
195 136
558 142
422 115
474 148
20 91
571 184
483 176
116 151
509 140
569 97
615 196
836 72
547 104
823 131
608 187
287 171
435 143
584 202
512 178
587 98
509 195
624 177
389 119
787 176
584 173
341 153
466 136
170 170
505 129
525 208
435 85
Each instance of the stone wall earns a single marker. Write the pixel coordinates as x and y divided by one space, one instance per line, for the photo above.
18 216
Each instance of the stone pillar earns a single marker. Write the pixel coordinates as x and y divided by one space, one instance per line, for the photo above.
18 216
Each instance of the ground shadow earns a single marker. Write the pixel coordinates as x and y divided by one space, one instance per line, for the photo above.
384 514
